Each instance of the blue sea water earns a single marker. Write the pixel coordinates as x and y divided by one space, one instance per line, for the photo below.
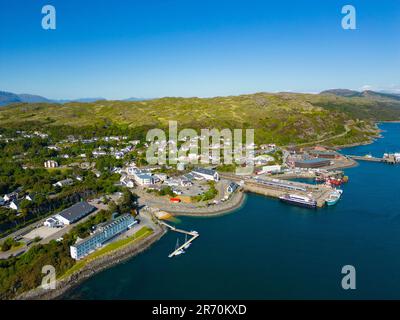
271 250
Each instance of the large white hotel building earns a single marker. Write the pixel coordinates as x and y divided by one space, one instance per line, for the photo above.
85 246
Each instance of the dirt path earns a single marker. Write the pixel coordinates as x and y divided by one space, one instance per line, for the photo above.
347 130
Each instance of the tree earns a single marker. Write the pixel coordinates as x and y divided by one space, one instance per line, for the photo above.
128 202
6 245
112 206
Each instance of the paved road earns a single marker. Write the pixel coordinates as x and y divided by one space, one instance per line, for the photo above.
55 236
190 208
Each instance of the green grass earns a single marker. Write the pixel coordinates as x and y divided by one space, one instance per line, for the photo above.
14 248
282 118
139 235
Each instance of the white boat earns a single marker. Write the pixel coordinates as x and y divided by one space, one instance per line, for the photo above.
302 201
178 252
334 197
187 245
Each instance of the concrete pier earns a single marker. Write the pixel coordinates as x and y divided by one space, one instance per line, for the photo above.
390 160
194 235
318 192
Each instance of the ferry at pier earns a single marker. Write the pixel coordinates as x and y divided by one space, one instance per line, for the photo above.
298 200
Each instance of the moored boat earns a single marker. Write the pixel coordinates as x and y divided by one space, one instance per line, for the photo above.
334 197
299 200
187 245
177 252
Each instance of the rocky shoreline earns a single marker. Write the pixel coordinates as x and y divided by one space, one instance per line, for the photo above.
65 285
93 267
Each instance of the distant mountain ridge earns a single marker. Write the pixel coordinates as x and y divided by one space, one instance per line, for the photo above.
31 98
7 98
365 94
83 100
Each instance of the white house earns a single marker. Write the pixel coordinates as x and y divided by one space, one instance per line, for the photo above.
135 142
10 196
99 153
52 222
272 169
29 197
232 187
144 179
14 205
186 182
126 182
161 176
97 173
63 183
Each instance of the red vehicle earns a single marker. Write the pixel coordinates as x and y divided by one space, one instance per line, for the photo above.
175 200
335 182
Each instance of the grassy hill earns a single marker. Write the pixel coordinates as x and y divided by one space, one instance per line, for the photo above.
282 118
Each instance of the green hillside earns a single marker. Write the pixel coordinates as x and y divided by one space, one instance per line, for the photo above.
282 118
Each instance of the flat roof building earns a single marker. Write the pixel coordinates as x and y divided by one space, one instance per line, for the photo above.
144 179
207 174
75 212
106 232
312 163
323 154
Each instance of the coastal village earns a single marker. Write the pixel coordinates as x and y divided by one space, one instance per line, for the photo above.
308 177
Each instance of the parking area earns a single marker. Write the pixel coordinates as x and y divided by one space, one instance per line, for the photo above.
43 232
193 190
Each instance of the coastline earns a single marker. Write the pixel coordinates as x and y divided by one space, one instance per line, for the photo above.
371 140
356 144
236 202
109 260
65 285
116 257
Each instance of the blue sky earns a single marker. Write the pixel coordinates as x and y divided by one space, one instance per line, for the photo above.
152 48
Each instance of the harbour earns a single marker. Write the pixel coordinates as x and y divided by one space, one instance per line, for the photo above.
391 158
180 249
277 188
285 252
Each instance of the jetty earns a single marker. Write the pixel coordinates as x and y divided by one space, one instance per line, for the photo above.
275 188
194 235
390 160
